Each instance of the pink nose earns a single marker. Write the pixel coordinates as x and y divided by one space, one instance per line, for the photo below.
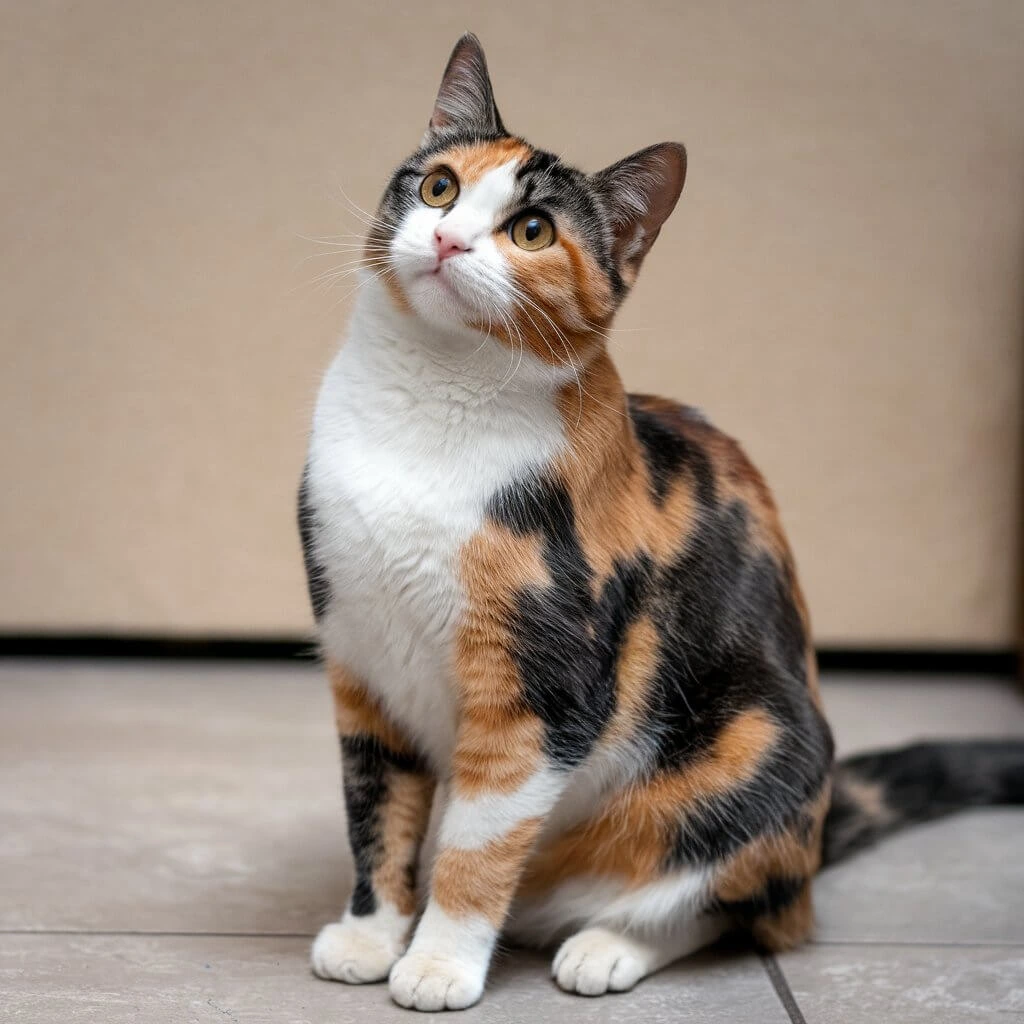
448 244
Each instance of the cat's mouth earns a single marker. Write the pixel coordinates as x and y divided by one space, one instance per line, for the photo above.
439 277
437 271
443 292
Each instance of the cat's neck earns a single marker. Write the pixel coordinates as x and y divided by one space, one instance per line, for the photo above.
467 366
601 443
462 377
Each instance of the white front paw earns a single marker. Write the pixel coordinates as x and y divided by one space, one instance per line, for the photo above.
355 952
425 981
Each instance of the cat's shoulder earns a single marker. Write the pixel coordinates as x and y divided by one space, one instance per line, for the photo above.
680 439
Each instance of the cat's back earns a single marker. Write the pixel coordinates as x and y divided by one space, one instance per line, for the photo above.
729 510
732 617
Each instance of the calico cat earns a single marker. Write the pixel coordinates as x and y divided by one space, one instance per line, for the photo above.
574 608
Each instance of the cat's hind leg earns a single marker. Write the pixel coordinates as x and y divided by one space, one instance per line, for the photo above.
602 959
618 933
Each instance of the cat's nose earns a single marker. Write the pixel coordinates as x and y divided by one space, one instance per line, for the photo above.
449 243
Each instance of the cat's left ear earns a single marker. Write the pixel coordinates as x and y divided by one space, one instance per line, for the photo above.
465 99
639 193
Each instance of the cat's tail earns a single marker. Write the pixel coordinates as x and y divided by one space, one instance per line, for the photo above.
877 793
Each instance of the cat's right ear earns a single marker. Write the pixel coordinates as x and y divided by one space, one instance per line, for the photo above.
465 99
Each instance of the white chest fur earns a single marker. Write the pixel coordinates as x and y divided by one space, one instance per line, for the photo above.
413 434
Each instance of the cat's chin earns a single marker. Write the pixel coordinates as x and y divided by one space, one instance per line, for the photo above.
438 301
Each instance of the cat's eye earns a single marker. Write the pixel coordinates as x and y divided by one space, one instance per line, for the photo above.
533 231
439 188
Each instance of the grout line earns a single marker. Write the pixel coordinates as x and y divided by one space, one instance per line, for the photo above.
155 933
161 933
921 943
782 989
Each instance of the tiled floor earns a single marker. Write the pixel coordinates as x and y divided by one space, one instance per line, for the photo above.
171 836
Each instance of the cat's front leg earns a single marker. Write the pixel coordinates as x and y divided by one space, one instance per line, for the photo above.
502 789
388 792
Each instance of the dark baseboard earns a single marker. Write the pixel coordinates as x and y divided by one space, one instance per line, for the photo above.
949 661
952 661
169 648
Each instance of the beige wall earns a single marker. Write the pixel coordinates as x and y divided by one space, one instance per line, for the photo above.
841 286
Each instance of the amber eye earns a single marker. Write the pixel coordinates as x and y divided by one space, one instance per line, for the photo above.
439 188
533 231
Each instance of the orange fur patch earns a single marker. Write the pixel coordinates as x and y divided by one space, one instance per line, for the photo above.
630 835
790 927
356 713
870 798
638 661
605 474
471 163
568 300
734 759
795 854
499 744
403 823
481 882
602 468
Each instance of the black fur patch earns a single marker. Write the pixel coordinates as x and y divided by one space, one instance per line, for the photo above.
316 577
662 452
365 787
367 767
667 451
364 900
567 641
731 639
775 896
540 161
738 644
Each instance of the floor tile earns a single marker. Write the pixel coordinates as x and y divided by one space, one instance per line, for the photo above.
209 980
172 798
945 881
191 798
959 880
879 710
906 984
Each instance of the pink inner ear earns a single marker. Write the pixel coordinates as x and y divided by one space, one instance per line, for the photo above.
641 191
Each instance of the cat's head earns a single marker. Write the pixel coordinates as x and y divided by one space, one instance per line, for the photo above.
480 229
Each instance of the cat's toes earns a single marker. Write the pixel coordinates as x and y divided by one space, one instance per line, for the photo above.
353 952
596 961
424 981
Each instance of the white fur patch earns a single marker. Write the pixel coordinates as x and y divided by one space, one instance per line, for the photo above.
470 824
359 950
415 429
599 960
608 769
665 904
475 286
446 965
